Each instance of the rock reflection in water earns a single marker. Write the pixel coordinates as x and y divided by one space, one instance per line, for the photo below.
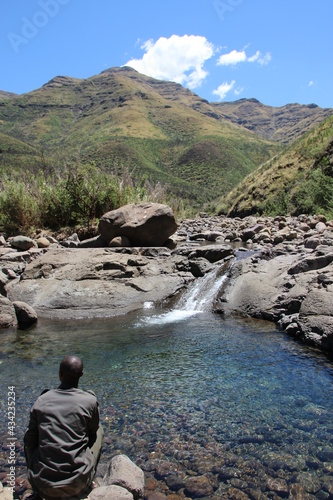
207 407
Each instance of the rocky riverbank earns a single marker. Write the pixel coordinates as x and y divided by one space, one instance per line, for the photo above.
285 275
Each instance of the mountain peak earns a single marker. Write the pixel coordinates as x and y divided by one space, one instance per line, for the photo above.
7 95
61 81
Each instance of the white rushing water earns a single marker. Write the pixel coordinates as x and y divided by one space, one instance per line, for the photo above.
198 298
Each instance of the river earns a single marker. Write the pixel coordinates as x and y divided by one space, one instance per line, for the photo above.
204 393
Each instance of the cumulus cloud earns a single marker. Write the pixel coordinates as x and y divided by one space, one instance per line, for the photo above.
235 57
179 58
223 89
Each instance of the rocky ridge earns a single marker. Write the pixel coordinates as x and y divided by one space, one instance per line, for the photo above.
282 124
285 273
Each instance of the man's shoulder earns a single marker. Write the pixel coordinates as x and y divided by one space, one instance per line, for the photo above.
55 393
88 394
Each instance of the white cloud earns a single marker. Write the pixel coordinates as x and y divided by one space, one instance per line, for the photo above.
234 57
179 58
223 89
263 59
311 83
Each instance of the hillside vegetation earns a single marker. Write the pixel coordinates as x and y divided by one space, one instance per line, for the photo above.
76 148
123 121
299 180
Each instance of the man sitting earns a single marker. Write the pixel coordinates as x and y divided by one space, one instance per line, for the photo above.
63 441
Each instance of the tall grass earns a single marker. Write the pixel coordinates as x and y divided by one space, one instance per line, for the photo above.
79 195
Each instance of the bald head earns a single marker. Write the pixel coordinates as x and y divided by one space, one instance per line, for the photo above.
70 371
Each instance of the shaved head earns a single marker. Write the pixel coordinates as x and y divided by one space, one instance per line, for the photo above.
70 371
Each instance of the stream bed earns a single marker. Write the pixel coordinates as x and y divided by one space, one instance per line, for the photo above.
186 393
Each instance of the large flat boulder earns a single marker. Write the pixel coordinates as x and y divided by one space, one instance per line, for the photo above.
293 289
87 282
147 224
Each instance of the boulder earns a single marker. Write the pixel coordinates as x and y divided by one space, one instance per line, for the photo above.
146 224
312 263
22 243
5 493
7 313
112 492
120 241
123 472
3 282
25 314
72 241
316 318
95 242
213 253
249 233
43 242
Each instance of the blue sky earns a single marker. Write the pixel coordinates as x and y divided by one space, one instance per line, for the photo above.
278 51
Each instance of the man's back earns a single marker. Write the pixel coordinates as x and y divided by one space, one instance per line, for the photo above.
63 425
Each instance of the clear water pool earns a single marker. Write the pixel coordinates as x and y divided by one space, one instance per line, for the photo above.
234 400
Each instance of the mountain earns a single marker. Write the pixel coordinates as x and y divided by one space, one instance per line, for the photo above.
6 95
129 124
299 180
283 124
123 121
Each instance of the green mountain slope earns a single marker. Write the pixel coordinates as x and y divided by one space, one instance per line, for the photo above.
14 152
124 121
299 180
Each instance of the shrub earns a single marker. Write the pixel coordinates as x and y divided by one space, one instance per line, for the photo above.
77 196
18 207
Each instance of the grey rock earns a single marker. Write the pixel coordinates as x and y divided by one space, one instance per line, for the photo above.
123 472
120 241
112 492
17 257
249 233
312 242
25 314
7 313
22 242
213 253
96 242
3 281
97 282
148 224
42 242
311 263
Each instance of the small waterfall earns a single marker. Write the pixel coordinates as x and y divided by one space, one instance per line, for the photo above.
198 298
